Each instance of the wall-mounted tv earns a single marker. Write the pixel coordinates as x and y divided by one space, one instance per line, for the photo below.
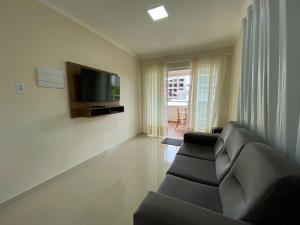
99 86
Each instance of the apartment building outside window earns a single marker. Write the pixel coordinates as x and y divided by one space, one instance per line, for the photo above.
178 88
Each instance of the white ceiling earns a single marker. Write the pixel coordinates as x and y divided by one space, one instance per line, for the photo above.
192 24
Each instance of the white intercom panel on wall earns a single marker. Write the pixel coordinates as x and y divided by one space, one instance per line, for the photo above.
50 78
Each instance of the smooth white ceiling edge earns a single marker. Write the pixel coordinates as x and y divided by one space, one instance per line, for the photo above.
84 25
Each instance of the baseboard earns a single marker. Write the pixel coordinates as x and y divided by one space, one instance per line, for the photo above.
51 179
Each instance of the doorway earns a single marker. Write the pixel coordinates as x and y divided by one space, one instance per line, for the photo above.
178 85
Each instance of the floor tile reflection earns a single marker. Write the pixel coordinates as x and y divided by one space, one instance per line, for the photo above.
105 190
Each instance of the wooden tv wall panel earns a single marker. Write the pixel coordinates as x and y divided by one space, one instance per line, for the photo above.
84 109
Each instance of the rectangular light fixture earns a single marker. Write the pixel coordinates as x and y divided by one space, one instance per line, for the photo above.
158 13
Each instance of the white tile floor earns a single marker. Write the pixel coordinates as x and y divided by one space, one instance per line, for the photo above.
106 190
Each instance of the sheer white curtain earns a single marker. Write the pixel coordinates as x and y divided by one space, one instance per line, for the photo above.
154 101
267 101
258 62
208 95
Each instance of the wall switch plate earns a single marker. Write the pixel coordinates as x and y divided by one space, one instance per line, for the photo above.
20 87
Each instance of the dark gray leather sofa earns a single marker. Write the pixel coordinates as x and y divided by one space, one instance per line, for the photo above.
206 145
258 185
212 172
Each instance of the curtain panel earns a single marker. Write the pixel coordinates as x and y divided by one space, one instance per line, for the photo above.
208 101
154 101
259 78
266 87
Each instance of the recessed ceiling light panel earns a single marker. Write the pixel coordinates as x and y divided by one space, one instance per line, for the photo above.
158 13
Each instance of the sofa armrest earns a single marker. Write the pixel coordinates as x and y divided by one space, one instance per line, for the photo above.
216 130
201 138
159 209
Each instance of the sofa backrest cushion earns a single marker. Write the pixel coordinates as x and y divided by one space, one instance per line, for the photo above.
238 138
224 136
262 187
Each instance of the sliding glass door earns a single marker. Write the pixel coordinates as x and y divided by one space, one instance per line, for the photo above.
178 88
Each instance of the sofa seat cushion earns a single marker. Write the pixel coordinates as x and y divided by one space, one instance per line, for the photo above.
199 194
197 151
238 138
262 187
198 170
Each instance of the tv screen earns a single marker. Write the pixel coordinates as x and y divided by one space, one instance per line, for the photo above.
99 86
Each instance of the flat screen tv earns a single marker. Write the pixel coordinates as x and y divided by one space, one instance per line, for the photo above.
99 86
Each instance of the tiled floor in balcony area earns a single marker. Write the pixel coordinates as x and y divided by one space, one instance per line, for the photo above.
174 132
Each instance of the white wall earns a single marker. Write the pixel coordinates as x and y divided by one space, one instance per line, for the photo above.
236 69
235 80
293 77
38 139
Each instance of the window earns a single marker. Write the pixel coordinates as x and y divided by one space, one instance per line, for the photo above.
179 87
